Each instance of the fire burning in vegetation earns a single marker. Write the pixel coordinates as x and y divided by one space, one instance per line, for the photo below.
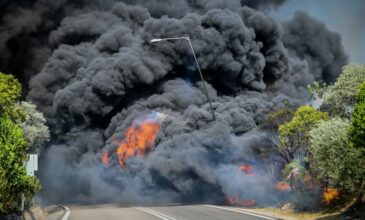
138 139
105 158
283 186
235 201
247 169
330 194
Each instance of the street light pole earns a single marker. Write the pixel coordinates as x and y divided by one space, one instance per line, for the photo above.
197 64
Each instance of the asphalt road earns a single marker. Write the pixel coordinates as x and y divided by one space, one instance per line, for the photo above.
176 212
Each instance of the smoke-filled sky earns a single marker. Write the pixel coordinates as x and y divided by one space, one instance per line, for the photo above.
347 17
90 68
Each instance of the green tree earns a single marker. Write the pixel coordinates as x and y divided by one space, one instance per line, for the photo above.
13 178
357 131
14 181
333 157
340 98
271 126
10 91
294 135
36 133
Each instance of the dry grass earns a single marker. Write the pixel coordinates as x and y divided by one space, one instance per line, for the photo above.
36 212
330 213
293 215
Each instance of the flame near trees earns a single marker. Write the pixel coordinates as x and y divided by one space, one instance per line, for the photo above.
283 186
247 169
138 139
235 201
330 194
105 158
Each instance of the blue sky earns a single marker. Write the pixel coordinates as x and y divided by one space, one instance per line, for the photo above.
346 17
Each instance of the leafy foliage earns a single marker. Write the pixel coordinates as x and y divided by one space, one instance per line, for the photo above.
280 117
14 182
335 159
330 150
36 133
10 90
13 178
295 164
271 126
357 131
317 89
294 135
340 97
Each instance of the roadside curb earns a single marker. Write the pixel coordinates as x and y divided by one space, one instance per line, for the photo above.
66 214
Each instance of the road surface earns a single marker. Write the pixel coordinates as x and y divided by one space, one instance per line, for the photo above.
173 212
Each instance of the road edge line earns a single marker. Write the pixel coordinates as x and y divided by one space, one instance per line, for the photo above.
67 212
159 213
154 213
242 212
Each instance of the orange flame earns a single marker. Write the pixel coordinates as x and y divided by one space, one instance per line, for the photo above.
105 158
235 201
330 194
282 186
246 169
138 139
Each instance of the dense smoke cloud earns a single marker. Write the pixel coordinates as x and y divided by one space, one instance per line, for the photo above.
26 24
97 73
308 39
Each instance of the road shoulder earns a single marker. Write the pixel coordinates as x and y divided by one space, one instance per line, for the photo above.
57 213
242 211
293 215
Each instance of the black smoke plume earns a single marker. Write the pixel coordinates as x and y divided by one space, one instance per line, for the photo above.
93 72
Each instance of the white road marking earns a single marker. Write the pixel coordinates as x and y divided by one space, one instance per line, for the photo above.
157 214
240 211
67 214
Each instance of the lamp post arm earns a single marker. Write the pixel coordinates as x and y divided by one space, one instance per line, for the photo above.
202 78
176 38
197 64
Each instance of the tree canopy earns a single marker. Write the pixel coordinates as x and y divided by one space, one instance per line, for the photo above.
339 98
329 144
357 131
294 134
14 181
333 157
36 133
10 90
13 178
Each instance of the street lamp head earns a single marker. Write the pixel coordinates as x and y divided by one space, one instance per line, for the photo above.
155 40
169 38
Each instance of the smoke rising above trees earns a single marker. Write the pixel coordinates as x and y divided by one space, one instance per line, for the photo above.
92 72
